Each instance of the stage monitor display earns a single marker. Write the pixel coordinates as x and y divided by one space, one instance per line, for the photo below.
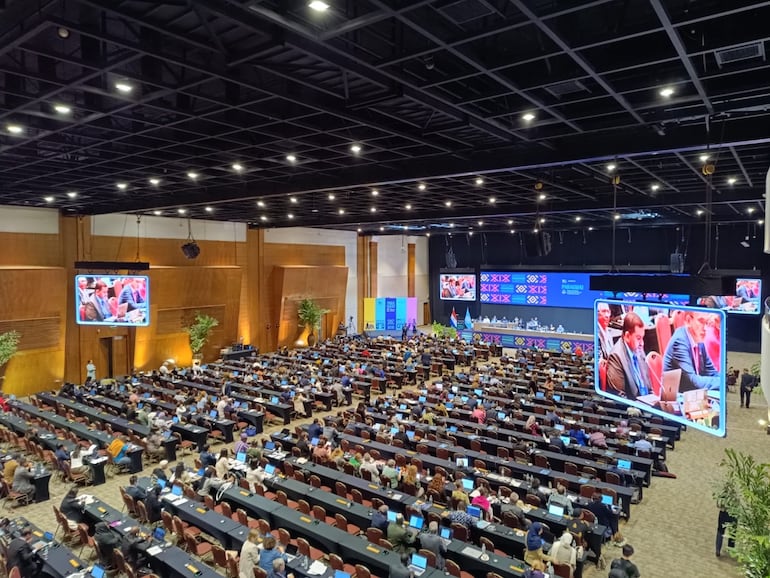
666 360
112 300
457 287
746 301
554 290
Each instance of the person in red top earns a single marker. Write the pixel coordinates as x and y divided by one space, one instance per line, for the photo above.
479 414
3 403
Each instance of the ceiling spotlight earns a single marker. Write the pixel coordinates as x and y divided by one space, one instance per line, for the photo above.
154 182
261 204
479 181
373 210
699 212
382 228
375 192
655 187
123 87
355 149
611 167
513 231
617 217
62 108
427 234
63 32
237 167
470 233
421 187
318 6
448 203
72 194
48 199
666 92
492 200
291 158
290 215
157 213
578 219
732 181
181 211
359 229
408 207
263 218
192 175
14 129
451 225
541 197
341 211
761 222
535 230
293 200
528 117
510 221
703 158
122 186
209 209
331 196
542 220
750 210
590 228
481 223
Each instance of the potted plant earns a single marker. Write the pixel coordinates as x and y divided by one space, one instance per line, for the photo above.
9 344
744 492
310 314
199 332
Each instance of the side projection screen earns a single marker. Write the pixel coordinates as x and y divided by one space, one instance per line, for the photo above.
112 300
669 361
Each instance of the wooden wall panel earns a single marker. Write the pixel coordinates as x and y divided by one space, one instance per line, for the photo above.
373 269
42 333
23 250
410 269
307 255
165 252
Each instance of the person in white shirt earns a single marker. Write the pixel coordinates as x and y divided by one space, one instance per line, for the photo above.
163 369
249 558
221 405
196 367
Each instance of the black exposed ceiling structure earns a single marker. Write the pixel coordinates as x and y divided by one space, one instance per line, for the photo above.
434 92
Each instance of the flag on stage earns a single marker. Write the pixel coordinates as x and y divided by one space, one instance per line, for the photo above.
468 320
453 319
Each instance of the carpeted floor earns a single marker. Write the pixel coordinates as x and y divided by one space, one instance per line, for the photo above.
672 530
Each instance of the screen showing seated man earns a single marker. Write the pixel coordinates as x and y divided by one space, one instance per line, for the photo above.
667 360
112 300
747 298
457 287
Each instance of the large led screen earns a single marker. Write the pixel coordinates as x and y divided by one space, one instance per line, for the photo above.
457 287
665 360
553 290
112 300
747 298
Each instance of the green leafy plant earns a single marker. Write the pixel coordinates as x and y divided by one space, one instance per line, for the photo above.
9 344
744 493
756 369
200 330
310 314
444 331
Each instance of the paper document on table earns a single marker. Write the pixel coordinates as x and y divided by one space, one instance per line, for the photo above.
472 552
317 568
154 550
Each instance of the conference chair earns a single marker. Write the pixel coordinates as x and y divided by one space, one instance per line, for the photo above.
337 564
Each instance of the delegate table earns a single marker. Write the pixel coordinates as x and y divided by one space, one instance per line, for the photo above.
117 423
191 432
58 561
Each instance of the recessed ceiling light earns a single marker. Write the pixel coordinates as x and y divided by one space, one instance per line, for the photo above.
750 210
732 181
290 215
427 234
341 211
479 181
124 87
72 194
541 197
481 223
611 167
655 187
237 167
382 228
122 186
291 158
293 200
263 218
617 217
48 199
703 158
373 210
470 233
63 32
448 203
542 220
699 212
761 222
318 6
261 203
359 229
209 209
421 186
157 213
510 221
590 228
331 196
408 207
535 230
375 192
492 200
62 108
154 182
355 149
452 225
181 211
666 92
15 128
578 219
193 175
513 230
528 117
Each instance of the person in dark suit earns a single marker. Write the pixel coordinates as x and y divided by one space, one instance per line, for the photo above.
131 294
21 556
98 308
627 372
687 352
603 316
432 541
748 381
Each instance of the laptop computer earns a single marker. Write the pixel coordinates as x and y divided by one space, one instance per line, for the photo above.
418 564
607 500
539 394
624 464
402 407
565 440
213 414
557 398
159 534
175 419
501 415
559 426
97 571
446 536
270 446
167 434
555 511
162 483
422 399
449 405
467 484
269 470
410 434
201 472
341 574
274 400
240 457
462 462
176 490
314 442
474 511
391 516
669 388
236 404
416 522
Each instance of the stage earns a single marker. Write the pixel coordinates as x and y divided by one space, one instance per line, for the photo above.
506 336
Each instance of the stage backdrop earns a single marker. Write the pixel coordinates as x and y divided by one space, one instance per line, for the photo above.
389 313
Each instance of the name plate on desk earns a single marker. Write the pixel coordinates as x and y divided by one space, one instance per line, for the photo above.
343 502
305 519
516 568
243 493
192 568
74 563
200 510
102 510
373 549
374 486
